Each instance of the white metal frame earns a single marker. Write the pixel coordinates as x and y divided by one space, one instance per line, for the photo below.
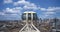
32 27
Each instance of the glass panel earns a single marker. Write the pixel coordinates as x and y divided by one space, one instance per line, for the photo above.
29 16
24 16
34 16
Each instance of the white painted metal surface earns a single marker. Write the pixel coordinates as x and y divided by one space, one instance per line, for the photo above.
29 27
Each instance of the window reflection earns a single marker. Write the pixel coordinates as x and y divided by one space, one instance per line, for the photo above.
34 16
24 16
29 16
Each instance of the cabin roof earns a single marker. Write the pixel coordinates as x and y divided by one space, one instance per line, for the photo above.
29 12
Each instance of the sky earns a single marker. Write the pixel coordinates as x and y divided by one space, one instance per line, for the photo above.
13 9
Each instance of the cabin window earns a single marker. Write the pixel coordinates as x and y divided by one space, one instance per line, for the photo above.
24 16
29 16
34 16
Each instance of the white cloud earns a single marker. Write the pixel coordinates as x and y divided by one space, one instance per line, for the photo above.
31 6
8 1
26 5
43 9
47 9
50 11
17 10
13 10
21 3
2 13
48 14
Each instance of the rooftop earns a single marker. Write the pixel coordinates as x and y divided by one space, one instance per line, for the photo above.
29 12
